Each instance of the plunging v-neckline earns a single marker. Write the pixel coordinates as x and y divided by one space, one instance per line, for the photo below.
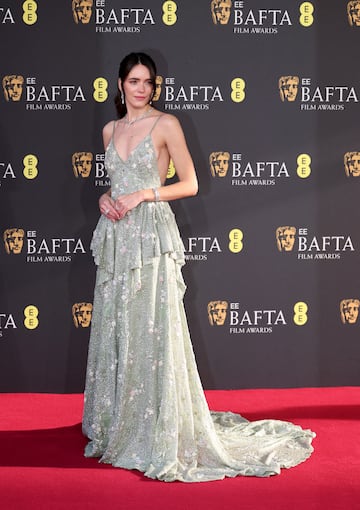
132 151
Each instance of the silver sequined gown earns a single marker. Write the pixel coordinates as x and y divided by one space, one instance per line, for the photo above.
144 404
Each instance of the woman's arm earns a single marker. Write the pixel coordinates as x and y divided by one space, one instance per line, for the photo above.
175 144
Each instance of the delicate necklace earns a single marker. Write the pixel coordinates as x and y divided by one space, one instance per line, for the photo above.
131 122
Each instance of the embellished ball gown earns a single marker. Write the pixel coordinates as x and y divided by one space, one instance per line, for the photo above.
144 406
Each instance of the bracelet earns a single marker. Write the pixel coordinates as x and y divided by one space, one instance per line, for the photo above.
156 195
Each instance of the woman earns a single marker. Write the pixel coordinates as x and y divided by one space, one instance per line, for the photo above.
144 405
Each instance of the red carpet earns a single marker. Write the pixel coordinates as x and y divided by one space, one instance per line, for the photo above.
42 464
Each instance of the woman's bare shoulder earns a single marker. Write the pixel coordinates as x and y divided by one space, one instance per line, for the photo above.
108 128
107 132
167 122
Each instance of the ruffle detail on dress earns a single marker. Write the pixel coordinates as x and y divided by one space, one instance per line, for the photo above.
103 249
116 247
159 235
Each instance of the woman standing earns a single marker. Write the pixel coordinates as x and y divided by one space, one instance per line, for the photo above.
144 404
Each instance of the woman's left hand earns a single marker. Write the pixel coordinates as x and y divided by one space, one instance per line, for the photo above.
124 203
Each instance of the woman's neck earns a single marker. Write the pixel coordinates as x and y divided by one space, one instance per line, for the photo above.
133 115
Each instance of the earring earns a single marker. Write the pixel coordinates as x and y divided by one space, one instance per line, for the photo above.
122 97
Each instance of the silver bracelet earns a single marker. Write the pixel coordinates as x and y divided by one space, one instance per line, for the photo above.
156 194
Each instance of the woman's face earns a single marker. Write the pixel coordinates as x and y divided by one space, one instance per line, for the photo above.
137 87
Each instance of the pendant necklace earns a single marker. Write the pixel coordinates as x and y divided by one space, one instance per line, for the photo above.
131 122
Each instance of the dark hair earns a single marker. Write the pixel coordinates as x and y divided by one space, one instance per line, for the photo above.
126 65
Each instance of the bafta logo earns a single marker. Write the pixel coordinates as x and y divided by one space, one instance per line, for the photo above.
288 88
219 163
217 312
81 163
285 238
14 240
82 313
352 164
158 87
353 11
82 10
13 87
220 11
349 310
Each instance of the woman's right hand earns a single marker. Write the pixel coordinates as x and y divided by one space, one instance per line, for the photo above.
107 207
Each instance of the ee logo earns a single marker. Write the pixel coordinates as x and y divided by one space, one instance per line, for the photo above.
30 166
169 9
300 313
100 90
303 168
31 320
236 236
29 8
306 14
238 90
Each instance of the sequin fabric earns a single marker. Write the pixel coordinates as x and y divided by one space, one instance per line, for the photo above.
144 407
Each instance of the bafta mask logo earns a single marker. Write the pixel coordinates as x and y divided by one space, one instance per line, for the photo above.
285 238
13 87
217 312
220 11
82 10
352 164
353 11
219 163
14 240
81 163
158 87
82 313
349 310
288 88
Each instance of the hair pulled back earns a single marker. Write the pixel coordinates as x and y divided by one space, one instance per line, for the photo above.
126 65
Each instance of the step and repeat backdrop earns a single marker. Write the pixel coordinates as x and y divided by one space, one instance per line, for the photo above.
268 95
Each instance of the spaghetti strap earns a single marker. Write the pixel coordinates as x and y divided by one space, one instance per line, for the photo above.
114 126
156 121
